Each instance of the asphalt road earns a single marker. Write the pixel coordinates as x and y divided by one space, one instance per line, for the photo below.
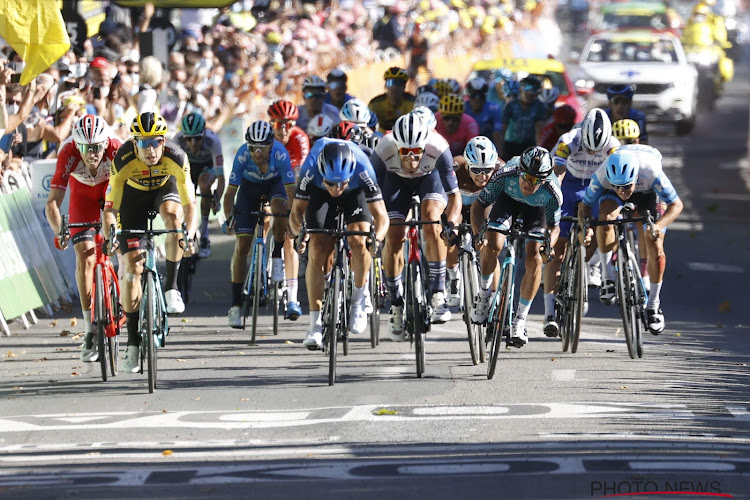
231 420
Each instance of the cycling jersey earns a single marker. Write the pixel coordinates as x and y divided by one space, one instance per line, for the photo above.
279 165
651 176
467 130
70 164
387 113
363 177
298 147
489 119
637 116
329 100
208 156
579 163
520 123
329 110
506 181
128 169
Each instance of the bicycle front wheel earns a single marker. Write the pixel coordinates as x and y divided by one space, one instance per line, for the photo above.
563 297
257 290
375 299
501 321
100 316
468 272
579 290
113 342
148 336
333 320
625 299
418 306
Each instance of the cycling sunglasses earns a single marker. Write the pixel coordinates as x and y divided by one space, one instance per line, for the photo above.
335 184
481 170
191 138
254 147
279 124
147 143
90 148
410 151
314 95
532 179
622 187
620 100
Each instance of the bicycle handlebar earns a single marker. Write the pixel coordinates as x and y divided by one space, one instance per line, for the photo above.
514 232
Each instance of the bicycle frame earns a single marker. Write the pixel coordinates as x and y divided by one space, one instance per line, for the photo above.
572 291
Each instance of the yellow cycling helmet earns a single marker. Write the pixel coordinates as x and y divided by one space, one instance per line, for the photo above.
451 104
701 9
395 73
626 130
148 125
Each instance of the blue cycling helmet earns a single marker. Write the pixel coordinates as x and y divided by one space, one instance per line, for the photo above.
373 123
511 88
622 168
625 90
336 163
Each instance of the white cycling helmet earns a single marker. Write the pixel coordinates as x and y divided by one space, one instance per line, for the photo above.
596 130
427 115
549 96
480 152
314 82
90 129
319 126
410 131
356 111
429 100
259 132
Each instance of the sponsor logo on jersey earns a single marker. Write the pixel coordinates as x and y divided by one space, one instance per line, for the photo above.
133 242
305 181
563 150
145 173
369 181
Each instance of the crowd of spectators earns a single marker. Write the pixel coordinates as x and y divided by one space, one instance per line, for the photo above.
233 61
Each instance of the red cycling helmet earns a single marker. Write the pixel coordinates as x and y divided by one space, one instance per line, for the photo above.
564 114
347 131
283 110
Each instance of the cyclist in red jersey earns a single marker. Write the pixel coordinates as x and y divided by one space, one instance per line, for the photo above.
283 115
456 127
84 162
563 119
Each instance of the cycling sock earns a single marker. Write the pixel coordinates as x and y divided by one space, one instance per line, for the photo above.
358 294
394 288
608 270
484 281
549 304
88 327
172 269
237 294
315 319
131 323
453 273
204 226
291 289
523 308
594 260
653 296
437 275
277 247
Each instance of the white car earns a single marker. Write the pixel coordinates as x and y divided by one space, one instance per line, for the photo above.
666 84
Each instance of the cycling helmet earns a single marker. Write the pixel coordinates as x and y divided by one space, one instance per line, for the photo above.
596 130
701 9
502 75
283 110
477 85
90 129
626 129
536 161
480 152
429 100
355 110
549 96
564 114
511 88
622 168
348 131
319 126
451 104
531 83
427 115
148 125
373 123
259 132
313 82
425 88
410 131
623 90
336 163
443 88
395 73
193 124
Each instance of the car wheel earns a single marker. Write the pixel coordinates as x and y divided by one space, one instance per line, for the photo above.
684 127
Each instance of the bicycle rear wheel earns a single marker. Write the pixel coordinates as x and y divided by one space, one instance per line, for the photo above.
578 288
257 290
101 320
419 306
148 337
333 319
624 298
469 275
501 320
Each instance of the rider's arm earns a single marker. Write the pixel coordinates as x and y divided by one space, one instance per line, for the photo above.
380 218
52 209
235 178
560 155
666 193
218 162
478 215
297 215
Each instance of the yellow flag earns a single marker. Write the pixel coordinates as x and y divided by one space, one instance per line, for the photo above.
36 30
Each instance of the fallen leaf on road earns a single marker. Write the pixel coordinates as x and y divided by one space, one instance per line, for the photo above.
185 320
384 411
53 322
610 350
240 352
244 399
587 354
62 349
75 374
624 387
553 359
271 352
288 342
164 411
166 453
17 388
73 321
10 355
197 399
725 307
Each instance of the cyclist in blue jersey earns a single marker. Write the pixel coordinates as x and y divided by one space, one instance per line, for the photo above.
523 119
620 108
337 174
523 188
261 168
203 148
489 116
634 173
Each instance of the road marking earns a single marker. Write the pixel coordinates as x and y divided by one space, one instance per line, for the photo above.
697 465
711 267
563 375
727 196
736 164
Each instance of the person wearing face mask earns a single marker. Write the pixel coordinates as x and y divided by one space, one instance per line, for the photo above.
83 163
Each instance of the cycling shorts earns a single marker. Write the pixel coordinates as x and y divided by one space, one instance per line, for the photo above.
573 189
197 170
506 209
86 204
135 207
248 200
398 192
321 209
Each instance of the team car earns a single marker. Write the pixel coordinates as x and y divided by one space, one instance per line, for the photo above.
666 84
649 15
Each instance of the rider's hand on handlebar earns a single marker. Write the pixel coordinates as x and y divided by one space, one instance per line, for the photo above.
479 241
61 244
300 242
585 238
654 231
228 226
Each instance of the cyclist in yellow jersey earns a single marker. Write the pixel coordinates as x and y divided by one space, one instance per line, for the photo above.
395 102
149 172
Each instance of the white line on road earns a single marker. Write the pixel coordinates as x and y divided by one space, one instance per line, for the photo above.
563 375
711 267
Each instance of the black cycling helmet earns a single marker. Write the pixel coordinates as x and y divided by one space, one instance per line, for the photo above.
626 90
536 161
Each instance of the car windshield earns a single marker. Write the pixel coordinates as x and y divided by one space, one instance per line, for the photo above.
602 50
650 21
